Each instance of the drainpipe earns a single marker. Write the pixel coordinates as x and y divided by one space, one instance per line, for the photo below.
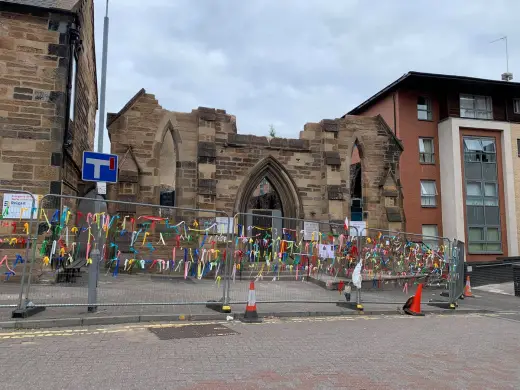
73 39
395 115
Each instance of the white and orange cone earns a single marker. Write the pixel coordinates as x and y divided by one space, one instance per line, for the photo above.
467 288
251 315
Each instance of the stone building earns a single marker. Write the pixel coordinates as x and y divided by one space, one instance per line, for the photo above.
48 94
198 160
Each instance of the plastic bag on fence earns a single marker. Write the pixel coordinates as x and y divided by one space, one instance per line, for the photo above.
356 275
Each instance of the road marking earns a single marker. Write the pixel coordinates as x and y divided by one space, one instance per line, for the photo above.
131 328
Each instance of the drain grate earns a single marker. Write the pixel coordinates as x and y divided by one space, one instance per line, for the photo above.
192 331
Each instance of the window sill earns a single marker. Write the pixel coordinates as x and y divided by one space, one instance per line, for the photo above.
429 207
486 253
476 119
425 120
426 163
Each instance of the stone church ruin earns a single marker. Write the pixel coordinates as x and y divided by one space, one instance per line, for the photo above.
199 160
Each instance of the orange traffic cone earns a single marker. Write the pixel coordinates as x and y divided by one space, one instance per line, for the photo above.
251 315
413 304
467 288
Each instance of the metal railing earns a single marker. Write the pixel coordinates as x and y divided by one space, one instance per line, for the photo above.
17 223
157 255
293 260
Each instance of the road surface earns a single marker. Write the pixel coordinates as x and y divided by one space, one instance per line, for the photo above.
381 352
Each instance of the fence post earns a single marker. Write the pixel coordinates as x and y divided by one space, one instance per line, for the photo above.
93 271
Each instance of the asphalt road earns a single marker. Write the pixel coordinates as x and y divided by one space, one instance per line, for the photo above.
381 352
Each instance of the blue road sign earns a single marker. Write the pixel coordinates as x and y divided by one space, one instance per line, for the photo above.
99 167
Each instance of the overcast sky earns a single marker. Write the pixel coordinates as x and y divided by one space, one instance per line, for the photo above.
288 62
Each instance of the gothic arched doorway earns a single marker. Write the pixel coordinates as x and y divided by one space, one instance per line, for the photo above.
269 193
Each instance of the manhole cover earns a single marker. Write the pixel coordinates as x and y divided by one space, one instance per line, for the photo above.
191 331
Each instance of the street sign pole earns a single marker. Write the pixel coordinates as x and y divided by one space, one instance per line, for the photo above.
93 273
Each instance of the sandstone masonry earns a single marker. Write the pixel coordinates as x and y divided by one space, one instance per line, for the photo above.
41 140
210 166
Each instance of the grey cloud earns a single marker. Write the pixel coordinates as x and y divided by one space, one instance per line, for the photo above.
288 62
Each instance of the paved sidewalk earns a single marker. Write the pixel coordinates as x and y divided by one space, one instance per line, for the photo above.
308 299
397 352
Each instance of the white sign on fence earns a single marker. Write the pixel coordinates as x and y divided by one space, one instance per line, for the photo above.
16 206
360 226
309 228
224 225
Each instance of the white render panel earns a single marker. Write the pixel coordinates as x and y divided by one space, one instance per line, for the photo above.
451 177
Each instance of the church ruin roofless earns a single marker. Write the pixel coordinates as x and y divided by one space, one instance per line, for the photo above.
199 160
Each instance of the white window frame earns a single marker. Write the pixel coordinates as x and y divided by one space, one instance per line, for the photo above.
427 199
465 112
516 106
429 239
426 157
428 109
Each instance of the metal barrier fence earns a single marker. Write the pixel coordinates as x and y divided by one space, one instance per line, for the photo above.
457 271
136 254
89 252
281 253
16 224
394 263
293 260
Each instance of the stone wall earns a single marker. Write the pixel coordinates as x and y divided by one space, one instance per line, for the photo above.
219 169
34 66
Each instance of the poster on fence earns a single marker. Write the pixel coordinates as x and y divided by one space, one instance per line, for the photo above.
18 206
224 225
360 226
309 228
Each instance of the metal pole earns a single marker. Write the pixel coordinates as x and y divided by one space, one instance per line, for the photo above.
92 280
101 129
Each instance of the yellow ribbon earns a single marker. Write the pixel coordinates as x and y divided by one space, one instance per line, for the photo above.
74 230
12 241
42 212
22 210
146 234
26 228
46 260
218 281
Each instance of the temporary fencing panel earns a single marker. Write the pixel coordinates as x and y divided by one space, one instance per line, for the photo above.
145 254
394 263
292 260
17 217
457 271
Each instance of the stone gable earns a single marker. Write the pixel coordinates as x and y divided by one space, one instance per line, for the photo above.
219 169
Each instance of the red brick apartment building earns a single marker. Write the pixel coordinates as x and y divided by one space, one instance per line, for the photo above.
458 168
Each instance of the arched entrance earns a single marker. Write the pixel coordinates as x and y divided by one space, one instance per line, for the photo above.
356 182
268 190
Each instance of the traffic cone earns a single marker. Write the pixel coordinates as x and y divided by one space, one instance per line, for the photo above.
413 304
467 288
251 315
